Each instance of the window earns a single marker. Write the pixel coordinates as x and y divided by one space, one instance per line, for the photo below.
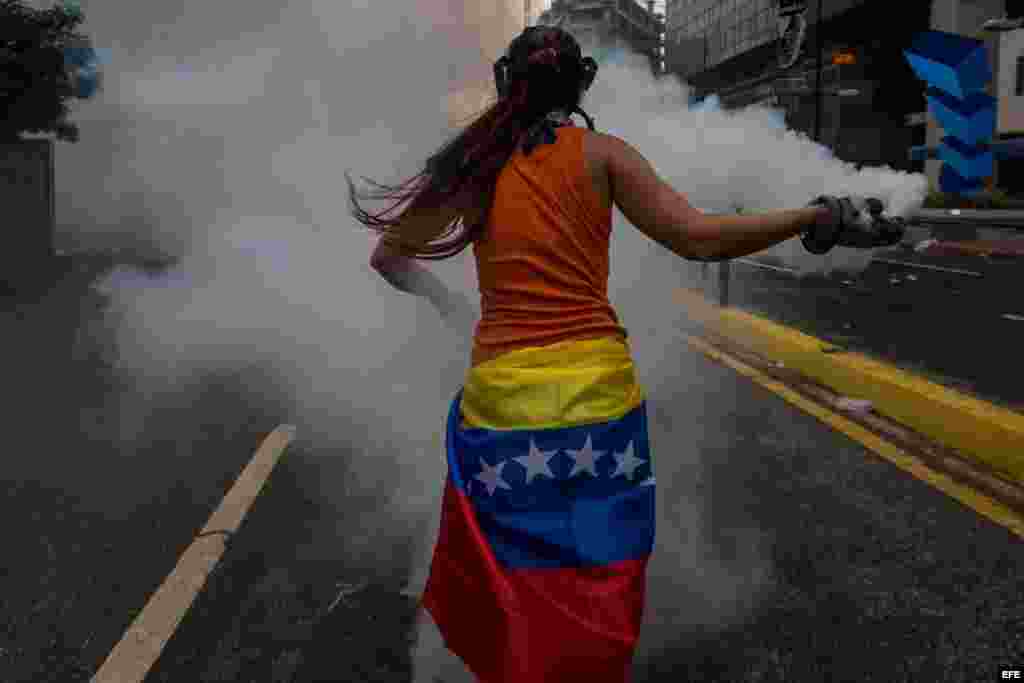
1020 77
747 29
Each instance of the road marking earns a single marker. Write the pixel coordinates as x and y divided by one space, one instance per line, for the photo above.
980 503
758 264
941 269
1011 316
907 264
141 645
983 431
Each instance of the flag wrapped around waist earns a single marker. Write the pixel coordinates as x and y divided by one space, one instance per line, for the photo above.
547 523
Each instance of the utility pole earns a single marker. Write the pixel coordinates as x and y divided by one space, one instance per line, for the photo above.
817 77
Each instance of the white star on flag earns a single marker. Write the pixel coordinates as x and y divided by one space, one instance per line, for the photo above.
586 459
537 462
491 477
627 462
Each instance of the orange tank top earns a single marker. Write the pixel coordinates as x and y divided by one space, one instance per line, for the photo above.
542 261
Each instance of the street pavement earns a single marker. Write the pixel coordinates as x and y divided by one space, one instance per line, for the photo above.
949 314
102 486
785 551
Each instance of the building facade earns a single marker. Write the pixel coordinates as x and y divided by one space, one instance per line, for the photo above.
866 87
1010 84
726 27
1009 91
871 108
607 23
532 9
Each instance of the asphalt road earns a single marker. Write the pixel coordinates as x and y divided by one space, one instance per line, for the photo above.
102 486
785 552
956 319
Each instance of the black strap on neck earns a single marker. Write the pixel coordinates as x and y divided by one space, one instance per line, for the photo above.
543 132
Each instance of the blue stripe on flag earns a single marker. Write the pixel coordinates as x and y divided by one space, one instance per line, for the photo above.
557 498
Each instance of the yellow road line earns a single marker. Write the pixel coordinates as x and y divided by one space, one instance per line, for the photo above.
978 429
141 645
984 505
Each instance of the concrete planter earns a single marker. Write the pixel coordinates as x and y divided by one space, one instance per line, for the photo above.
27 215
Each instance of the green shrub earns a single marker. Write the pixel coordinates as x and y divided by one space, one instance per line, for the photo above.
996 199
44 63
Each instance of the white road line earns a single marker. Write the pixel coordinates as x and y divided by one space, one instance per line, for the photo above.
1011 316
909 264
758 264
141 645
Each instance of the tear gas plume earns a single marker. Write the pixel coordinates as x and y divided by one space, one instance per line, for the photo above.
220 141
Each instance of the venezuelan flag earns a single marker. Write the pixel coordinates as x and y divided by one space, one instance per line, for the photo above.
547 523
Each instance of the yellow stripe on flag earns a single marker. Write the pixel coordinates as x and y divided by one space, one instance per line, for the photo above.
562 385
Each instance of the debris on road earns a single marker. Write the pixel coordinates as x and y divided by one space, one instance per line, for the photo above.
345 590
853 405
1005 248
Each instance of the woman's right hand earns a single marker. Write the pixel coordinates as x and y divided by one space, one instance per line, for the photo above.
858 223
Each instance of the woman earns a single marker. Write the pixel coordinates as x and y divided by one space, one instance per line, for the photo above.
548 514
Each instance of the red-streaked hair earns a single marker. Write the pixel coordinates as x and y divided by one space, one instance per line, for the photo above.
447 204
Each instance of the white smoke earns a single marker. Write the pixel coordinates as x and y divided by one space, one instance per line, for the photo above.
747 159
220 140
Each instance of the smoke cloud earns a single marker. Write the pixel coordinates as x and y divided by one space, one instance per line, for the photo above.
220 140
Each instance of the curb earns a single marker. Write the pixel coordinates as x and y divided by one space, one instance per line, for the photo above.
984 248
1011 218
980 431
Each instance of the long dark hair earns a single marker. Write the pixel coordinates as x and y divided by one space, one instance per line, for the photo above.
451 197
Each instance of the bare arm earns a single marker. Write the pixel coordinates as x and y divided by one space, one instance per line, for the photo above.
408 275
726 237
665 215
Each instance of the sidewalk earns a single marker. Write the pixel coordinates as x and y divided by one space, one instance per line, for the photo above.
966 235
1012 218
1006 248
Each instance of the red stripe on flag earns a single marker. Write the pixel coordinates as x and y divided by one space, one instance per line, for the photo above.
530 626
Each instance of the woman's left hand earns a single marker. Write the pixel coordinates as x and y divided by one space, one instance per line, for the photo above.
407 275
386 258
456 311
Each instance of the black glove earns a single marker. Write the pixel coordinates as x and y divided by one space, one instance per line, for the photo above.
859 224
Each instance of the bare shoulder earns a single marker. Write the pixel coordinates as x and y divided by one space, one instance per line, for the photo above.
615 155
595 152
596 147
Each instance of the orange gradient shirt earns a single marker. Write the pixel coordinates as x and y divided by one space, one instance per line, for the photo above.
543 260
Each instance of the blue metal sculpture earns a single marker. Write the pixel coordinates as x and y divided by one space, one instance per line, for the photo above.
956 70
